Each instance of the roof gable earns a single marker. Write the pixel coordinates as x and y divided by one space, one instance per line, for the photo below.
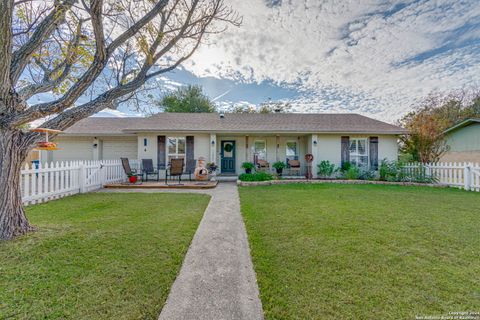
462 124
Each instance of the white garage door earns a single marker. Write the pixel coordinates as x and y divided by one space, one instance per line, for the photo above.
116 149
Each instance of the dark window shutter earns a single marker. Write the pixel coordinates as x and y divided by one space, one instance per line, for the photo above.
345 152
190 162
161 149
374 153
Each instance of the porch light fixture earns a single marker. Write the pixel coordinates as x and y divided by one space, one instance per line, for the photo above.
315 142
213 142
145 142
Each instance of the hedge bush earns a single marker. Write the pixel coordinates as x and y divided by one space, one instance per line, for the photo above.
257 176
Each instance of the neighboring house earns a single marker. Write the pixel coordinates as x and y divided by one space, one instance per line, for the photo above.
231 139
463 140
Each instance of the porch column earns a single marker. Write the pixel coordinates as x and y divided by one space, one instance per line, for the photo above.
246 150
96 148
313 149
277 146
213 148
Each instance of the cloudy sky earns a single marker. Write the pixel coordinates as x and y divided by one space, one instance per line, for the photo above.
374 57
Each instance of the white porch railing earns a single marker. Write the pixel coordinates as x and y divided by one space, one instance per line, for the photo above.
59 179
461 175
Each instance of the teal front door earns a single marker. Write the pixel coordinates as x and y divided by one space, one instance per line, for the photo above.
228 157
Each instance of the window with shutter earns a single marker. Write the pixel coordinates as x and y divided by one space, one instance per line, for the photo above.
358 152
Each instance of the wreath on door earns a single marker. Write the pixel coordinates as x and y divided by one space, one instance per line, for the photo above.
228 147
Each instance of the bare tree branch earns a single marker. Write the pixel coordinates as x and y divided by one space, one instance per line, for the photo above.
52 78
22 56
194 25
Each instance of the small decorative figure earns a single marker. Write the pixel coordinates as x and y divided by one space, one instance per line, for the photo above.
201 172
309 160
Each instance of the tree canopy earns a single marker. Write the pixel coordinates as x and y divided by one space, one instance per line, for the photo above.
86 55
187 99
266 107
425 140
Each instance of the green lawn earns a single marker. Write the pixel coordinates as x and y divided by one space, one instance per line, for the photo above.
98 256
364 251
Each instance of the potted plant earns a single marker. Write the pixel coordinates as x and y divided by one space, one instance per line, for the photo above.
132 178
212 167
248 166
279 166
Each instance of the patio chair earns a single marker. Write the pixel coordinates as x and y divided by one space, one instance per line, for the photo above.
294 166
263 165
149 170
129 171
175 170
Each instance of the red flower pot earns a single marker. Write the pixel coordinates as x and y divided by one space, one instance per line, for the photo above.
132 179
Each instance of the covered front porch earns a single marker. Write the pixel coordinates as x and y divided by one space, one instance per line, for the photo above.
263 150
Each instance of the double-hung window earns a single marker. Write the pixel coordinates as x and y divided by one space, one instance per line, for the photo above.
260 149
176 147
359 152
291 150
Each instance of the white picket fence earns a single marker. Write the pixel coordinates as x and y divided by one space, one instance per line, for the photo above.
461 175
59 179
56 180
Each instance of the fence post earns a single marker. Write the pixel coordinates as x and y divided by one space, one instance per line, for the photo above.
82 177
103 175
467 176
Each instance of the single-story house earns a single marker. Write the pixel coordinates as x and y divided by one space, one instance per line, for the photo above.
231 139
463 141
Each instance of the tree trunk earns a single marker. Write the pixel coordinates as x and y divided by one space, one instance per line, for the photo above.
13 152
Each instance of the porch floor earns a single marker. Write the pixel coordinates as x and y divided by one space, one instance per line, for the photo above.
162 185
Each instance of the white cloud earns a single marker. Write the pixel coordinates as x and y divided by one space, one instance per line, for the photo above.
375 57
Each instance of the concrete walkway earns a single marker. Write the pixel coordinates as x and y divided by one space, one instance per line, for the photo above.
216 280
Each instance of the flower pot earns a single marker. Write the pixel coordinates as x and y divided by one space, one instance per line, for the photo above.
279 171
248 170
132 179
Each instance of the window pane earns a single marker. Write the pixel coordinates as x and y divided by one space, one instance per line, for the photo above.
362 161
181 145
353 146
353 160
172 145
260 150
259 145
362 147
228 146
291 149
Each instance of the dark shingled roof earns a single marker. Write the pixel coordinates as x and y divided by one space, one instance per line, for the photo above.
237 122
